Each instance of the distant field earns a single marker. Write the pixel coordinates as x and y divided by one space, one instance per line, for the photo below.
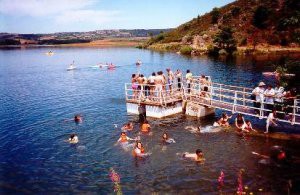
112 42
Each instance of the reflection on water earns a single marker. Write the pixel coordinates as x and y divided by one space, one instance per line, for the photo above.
38 95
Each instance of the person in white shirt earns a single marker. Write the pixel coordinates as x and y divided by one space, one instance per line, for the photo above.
258 92
269 98
271 121
278 101
189 77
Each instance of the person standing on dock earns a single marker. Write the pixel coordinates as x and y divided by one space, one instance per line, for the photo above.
269 98
178 75
170 78
159 81
189 78
258 92
271 121
278 101
151 82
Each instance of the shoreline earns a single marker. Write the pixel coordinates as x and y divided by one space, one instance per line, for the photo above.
242 50
113 42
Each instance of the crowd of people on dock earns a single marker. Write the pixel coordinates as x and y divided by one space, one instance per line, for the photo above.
277 103
158 83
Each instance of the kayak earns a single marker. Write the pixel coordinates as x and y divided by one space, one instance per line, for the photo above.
50 53
71 68
111 67
277 74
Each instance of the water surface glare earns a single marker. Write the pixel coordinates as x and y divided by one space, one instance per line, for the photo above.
38 95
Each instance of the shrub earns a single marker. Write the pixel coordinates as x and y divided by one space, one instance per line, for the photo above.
212 50
226 17
235 10
215 14
243 42
224 40
273 39
260 17
186 50
296 36
284 42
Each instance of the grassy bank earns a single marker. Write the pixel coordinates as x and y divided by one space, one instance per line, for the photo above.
112 42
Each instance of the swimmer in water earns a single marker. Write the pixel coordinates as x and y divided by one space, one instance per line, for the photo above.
73 139
277 156
248 127
127 127
198 156
167 139
145 127
77 118
239 122
193 129
124 139
139 150
223 122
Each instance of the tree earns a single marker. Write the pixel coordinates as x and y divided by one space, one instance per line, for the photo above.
260 17
215 14
225 40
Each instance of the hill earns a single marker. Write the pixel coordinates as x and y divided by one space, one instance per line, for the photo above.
246 24
75 37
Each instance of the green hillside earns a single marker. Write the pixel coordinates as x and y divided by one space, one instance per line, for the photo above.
243 23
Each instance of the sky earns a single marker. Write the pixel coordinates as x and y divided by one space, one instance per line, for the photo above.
49 16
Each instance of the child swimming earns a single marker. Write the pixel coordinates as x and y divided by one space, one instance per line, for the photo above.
223 121
73 139
198 156
166 139
124 139
145 127
127 127
139 150
77 118
248 127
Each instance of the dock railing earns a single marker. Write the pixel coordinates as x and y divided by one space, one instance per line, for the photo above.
235 99
154 94
238 100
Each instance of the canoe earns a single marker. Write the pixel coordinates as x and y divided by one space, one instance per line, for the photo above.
71 68
276 74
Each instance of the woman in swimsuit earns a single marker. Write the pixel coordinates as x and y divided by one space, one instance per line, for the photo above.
224 120
167 139
139 150
134 85
239 122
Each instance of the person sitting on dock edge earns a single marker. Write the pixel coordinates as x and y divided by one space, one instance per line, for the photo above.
239 122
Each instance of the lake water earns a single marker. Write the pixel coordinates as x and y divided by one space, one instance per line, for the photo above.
38 95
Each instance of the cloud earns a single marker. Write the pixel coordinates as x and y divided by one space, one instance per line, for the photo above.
36 8
87 16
